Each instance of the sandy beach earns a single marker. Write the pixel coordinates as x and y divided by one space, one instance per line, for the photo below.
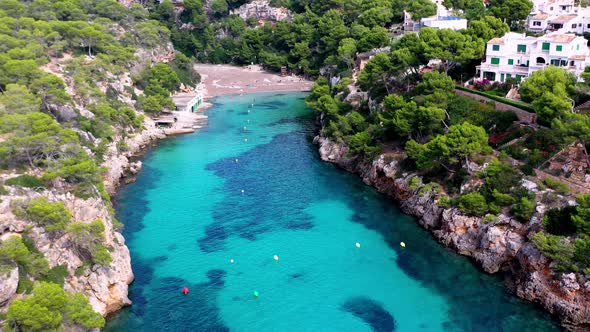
219 80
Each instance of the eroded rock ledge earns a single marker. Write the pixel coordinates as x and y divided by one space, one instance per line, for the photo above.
502 245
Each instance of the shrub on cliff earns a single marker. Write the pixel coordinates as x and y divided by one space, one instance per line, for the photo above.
88 239
26 181
448 150
29 262
558 249
559 221
49 308
52 215
473 204
524 209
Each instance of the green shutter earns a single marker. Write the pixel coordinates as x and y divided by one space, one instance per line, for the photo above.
495 61
558 48
546 46
510 61
521 48
496 47
502 77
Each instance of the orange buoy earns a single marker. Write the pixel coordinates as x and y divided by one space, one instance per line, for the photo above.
185 290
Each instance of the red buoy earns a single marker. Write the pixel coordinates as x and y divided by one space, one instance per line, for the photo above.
185 290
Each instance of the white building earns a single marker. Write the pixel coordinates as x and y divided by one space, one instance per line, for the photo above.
553 7
442 20
517 56
188 101
558 15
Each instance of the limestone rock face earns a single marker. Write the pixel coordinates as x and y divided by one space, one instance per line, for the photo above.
498 245
262 10
105 286
119 164
8 285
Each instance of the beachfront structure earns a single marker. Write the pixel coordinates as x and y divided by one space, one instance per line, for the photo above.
188 101
517 56
442 20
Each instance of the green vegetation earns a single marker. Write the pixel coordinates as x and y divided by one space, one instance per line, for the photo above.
30 263
61 67
557 185
324 34
473 204
522 106
26 181
549 91
49 308
52 215
88 239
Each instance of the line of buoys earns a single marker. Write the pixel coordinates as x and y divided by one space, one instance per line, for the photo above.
276 258
358 245
402 244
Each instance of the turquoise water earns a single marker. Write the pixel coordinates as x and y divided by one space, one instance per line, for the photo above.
251 186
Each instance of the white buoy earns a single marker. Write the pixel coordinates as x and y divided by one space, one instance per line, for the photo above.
248 111
248 120
245 128
237 160
231 260
358 245
242 191
276 258
402 244
245 140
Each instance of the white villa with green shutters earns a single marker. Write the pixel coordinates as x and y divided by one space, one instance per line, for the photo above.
517 56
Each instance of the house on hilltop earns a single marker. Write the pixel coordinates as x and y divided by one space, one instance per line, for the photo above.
517 56
442 20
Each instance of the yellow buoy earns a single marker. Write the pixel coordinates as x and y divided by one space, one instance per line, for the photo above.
276 258
402 244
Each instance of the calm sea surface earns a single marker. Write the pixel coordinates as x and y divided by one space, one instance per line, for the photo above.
210 211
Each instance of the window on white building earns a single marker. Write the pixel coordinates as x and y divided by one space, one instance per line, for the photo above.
495 47
538 23
574 26
588 26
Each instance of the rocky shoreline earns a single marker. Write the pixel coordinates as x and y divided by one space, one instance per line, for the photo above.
105 286
501 245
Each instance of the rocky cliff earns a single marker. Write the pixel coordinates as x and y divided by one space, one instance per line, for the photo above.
105 286
499 245
262 10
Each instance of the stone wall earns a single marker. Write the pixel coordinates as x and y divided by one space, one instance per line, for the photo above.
522 115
